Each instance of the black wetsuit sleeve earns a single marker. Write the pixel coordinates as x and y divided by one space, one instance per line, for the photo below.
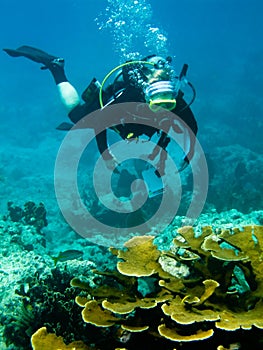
186 114
163 140
81 110
101 139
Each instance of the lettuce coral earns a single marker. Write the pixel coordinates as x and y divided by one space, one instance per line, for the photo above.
42 340
221 287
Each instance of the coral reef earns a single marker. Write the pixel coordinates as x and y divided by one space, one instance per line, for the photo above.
205 291
220 289
34 292
31 214
45 301
43 340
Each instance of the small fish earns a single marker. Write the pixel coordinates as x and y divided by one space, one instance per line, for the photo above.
68 255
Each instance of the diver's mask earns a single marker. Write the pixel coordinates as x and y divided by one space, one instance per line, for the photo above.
160 94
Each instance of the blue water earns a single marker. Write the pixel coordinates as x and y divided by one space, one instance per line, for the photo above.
220 40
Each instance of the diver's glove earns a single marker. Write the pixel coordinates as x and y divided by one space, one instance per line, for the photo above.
110 161
112 164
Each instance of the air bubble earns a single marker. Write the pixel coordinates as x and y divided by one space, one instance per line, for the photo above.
130 25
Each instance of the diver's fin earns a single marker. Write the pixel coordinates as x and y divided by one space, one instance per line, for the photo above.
183 165
33 54
64 126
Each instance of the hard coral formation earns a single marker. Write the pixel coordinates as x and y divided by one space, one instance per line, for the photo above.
94 314
46 301
222 289
30 214
42 340
35 293
172 334
140 258
213 291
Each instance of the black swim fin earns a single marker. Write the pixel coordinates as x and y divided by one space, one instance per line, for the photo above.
35 55
65 126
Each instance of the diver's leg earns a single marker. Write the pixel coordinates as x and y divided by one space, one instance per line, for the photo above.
55 65
68 94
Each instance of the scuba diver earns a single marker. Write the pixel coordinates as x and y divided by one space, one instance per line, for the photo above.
151 80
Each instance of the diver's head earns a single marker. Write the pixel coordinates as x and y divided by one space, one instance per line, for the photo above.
156 79
158 68
159 86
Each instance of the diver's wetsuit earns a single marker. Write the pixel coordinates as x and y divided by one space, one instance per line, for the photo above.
132 94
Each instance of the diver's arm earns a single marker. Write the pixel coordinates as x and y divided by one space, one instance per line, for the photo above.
101 139
160 148
186 114
110 161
